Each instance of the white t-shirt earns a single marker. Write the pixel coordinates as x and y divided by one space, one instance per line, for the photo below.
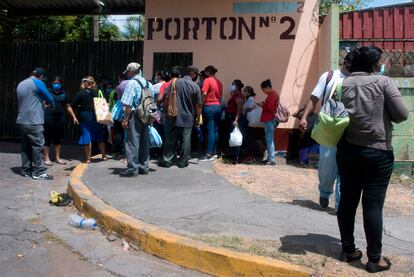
157 87
319 90
249 104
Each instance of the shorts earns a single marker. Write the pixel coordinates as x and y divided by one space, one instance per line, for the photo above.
91 132
54 131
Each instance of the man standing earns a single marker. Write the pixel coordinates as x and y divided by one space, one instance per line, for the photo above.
31 93
137 133
179 127
327 168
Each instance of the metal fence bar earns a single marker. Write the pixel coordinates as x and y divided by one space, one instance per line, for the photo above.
71 61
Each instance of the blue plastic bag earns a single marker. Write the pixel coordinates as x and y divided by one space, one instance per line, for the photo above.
154 138
118 113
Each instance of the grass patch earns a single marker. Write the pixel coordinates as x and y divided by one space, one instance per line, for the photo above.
255 247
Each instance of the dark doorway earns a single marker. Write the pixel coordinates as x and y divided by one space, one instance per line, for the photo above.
165 61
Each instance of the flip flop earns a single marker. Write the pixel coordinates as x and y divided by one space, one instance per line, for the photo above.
48 163
105 158
62 162
86 161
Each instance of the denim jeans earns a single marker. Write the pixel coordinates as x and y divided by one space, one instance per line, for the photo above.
365 171
269 127
327 173
137 145
211 117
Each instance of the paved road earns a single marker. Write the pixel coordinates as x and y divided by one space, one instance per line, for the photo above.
195 200
35 239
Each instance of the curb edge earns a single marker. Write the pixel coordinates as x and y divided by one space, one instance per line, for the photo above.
177 249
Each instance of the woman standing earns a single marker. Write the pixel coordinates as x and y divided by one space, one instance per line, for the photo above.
55 121
268 118
92 131
212 92
234 111
365 157
250 132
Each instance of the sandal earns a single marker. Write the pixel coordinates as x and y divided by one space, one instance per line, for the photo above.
48 163
374 267
348 257
105 158
86 161
62 162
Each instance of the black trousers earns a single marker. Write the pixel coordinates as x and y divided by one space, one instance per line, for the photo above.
367 171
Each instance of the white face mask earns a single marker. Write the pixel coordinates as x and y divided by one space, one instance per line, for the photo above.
232 88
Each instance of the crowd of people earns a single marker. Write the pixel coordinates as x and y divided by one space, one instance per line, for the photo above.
362 162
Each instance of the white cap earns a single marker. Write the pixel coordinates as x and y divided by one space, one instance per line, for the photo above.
132 67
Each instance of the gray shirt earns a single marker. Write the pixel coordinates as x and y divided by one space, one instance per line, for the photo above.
188 96
30 95
373 101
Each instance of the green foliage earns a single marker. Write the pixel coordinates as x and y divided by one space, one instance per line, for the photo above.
344 5
55 28
134 28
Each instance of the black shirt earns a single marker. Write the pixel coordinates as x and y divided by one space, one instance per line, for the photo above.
58 112
83 103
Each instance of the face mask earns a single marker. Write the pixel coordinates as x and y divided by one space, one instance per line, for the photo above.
232 88
56 86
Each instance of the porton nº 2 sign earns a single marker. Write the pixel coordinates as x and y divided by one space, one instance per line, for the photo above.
186 28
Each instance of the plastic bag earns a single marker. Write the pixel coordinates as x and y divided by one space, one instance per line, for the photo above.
154 138
236 138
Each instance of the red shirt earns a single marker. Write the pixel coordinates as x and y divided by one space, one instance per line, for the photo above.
269 107
213 89
232 103
163 87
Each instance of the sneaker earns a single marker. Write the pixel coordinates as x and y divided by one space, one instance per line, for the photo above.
164 164
128 173
208 158
270 163
25 174
43 176
324 202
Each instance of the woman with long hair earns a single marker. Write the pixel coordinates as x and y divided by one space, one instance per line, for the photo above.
365 157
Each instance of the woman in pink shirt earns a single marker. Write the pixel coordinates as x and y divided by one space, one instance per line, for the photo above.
212 91
268 118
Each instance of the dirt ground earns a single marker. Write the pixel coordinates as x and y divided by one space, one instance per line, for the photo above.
298 186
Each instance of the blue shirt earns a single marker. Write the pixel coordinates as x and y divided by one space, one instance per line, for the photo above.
133 91
31 93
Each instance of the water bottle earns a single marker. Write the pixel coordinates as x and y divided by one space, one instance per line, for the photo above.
85 223
199 134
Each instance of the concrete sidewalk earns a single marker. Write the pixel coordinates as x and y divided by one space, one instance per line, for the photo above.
196 201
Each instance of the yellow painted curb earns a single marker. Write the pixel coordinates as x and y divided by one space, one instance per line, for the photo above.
175 248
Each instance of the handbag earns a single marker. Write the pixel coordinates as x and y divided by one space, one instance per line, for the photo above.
332 119
102 113
155 140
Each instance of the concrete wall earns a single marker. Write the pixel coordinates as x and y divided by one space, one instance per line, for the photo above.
249 40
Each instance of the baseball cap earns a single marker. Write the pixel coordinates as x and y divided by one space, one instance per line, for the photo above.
194 69
132 66
38 71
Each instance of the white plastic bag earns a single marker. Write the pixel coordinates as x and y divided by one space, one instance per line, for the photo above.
253 117
236 138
